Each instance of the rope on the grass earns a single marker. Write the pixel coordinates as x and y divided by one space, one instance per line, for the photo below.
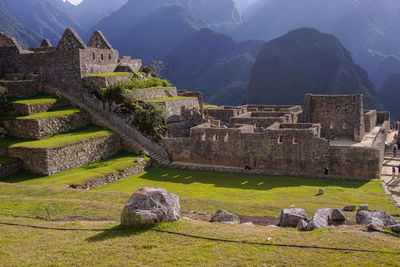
206 238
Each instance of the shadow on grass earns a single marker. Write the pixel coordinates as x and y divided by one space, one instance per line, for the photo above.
241 181
118 231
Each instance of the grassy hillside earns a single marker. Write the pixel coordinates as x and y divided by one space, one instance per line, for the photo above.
11 26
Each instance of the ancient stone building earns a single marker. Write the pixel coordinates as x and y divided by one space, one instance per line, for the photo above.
333 133
63 65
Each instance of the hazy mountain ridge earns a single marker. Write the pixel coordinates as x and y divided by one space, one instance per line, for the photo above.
10 25
307 61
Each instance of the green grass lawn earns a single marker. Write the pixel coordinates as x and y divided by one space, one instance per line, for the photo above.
59 112
39 99
255 194
157 100
245 194
80 175
59 140
4 161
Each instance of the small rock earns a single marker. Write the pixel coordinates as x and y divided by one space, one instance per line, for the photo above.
364 207
269 239
149 206
319 220
291 217
248 224
302 225
337 215
224 217
350 208
320 192
139 160
395 228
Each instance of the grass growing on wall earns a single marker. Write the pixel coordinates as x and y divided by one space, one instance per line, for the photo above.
60 140
39 99
80 175
157 100
4 161
63 111
108 74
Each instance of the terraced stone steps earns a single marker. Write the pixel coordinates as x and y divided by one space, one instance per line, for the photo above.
36 104
64 151
91 175
9 166
44 124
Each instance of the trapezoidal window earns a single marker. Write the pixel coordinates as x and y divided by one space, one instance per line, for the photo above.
344 126
226 138
94 56
102 57
332 125
280 139
109 56
214 137
203 137
295 140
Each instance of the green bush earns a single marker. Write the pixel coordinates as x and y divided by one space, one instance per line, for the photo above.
151 119
152 82
146 69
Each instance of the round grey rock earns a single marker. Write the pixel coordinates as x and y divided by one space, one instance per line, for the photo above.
225 217
291 217
319 220
350 208
302 225
149 206
364 207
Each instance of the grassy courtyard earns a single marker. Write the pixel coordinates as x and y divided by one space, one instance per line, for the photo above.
44 202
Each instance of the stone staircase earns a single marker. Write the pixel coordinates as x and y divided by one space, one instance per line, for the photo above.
128 133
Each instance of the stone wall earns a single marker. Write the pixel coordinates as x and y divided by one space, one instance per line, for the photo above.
339 115
21 88
112 177
199 96
153 93
94 60
95 82
260 121
10 169
53 160
279 148
42 128
25 110
224 114
370 119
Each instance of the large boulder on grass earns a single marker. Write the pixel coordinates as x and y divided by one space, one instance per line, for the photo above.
291 217
319 220
224 217
395 228
376 219
338 215
149 206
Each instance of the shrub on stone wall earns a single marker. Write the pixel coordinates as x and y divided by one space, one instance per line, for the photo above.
150 118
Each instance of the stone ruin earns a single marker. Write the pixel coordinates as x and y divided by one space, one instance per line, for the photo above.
330 136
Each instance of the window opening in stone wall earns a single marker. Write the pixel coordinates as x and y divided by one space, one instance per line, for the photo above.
94 56
344 126
226 138
280 139
203 137
109 56
214 137
295 141
332 125
102 57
